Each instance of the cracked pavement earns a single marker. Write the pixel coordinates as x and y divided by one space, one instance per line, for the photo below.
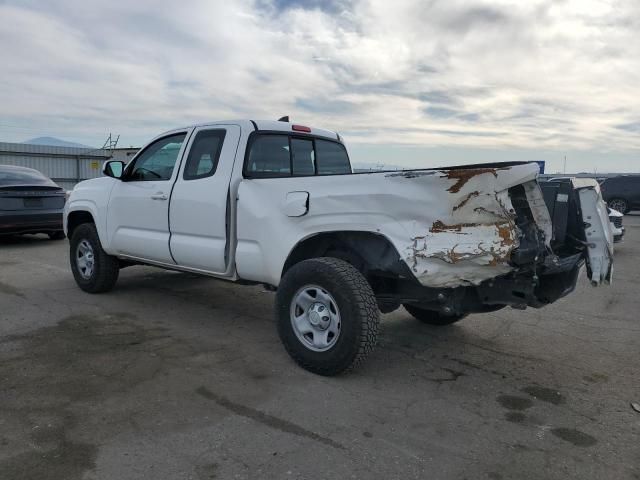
173 376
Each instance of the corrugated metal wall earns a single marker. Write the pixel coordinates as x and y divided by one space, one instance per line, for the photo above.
65 165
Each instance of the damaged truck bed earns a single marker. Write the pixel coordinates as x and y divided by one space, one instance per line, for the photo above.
278 204
488 228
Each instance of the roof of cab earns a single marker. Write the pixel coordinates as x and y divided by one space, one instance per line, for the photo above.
279 126
268 125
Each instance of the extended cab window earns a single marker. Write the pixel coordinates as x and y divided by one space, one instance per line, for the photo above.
204 154
303 157
269 157
275 155
331 158
157 161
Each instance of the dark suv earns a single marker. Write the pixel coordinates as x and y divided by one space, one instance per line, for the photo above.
622 193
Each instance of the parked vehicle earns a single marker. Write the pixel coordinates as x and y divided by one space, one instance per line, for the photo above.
622 193
30 202
615 217
274 203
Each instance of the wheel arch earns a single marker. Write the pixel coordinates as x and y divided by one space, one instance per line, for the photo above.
370 252
76 218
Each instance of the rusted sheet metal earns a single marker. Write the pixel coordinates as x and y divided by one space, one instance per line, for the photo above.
475 233
451 227
465 248
463 175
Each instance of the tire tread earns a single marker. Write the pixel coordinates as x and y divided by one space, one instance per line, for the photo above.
365 304
107 266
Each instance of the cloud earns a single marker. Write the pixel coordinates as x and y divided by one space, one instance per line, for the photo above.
500 74
630 127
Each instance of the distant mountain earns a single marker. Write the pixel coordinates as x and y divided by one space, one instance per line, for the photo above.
56 142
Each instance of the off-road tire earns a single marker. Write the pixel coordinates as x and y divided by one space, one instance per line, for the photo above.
105 268
358 309
432 317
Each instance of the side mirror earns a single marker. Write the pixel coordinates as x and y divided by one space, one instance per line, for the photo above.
113 168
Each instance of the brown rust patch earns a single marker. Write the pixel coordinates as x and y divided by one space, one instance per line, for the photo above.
462 176
439 227
497 255
504 231
455 256
466 199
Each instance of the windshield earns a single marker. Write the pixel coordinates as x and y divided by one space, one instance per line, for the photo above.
22 176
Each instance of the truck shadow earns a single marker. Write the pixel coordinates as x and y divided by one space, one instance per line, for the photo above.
234 306
26 241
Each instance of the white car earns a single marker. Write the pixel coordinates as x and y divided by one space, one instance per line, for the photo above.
615 217
275 203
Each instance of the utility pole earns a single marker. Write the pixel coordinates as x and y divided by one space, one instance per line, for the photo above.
564 169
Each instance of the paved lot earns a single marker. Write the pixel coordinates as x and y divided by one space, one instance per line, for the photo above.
172 376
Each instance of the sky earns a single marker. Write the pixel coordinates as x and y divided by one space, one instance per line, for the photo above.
410 83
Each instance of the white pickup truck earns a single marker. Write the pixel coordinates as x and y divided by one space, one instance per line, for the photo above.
275 203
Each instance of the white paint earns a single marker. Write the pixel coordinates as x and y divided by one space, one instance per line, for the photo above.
296 204
401 206
451 228
539 210
598 232
138 213
198 207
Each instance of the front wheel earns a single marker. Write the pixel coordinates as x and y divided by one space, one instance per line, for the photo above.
94 270
432 317
327 315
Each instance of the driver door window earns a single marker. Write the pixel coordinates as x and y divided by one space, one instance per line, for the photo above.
158 160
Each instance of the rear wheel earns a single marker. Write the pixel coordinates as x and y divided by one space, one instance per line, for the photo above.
432 317
327 315
94 270
619 204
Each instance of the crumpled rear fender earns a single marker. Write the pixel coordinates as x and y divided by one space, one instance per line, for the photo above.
467 230
451 227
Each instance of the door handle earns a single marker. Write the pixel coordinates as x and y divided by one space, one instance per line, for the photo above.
159 196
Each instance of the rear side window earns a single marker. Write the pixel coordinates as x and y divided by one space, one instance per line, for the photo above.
332 158
303 157
269 157
273 155
204 154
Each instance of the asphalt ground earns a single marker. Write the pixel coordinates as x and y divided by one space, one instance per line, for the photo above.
174 376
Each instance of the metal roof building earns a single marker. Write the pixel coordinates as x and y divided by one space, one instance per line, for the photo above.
64 165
